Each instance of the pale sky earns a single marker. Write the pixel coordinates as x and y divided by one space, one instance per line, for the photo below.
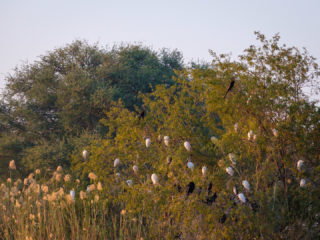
30 28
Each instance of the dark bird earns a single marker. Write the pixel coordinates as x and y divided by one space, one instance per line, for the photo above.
190 188
211 199
209 188
141 115
230 86
223 218
177 186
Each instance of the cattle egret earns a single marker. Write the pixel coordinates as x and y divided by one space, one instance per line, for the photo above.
187 146
250 135
232 158
303 183
275 132
116 162
154 179
190 165
72 194
230 171
300 165
214 140
166 140
241 197
169 160
85 154
235 190
135 169
129 183
148 142
204 170
246 185
236 127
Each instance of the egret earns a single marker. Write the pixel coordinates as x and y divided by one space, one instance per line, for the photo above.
148 142
250 135
154 179
116 162
166 140
72 194
190 165
129 183
85 154
204 170
187 146
230 171
275 132
303 183
236 127
300 165
242 197
135 169
246 185
214 140
232 158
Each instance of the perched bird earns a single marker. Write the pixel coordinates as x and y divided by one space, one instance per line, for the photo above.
236 127
166 140
211 199
141 115
275 132
232 158
246 185
235 190
250 135
300 165
230 86
223 218
230 171
190 187
148 142
72 194
154 179
204 171
209 188
169 160
190 165
214 140
85 154
242 197
159 138
187 146
135 169
118 175
129 183
116 162
303 183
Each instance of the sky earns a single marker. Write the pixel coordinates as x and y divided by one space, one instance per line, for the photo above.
34 27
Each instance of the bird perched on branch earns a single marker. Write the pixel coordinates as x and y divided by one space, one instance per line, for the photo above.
230 86
141 115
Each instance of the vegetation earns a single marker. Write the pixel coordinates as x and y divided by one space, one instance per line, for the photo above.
196 165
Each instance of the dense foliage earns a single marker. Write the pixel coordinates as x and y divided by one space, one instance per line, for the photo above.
243 166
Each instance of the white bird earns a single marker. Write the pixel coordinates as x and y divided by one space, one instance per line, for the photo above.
214 139
275 132
85 154
118 175
135 169
129 183
230 171
154 179
190 165
232 158
148 142
187 146
242 197
300 165
235 190
246 185
236 127
204 170
166 140
72 194
255 137
116 162
250 135
303 183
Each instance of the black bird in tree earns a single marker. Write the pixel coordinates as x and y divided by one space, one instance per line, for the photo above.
209 188
141 115
230 86
190 188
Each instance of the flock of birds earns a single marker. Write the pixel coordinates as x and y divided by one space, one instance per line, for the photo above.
211 198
